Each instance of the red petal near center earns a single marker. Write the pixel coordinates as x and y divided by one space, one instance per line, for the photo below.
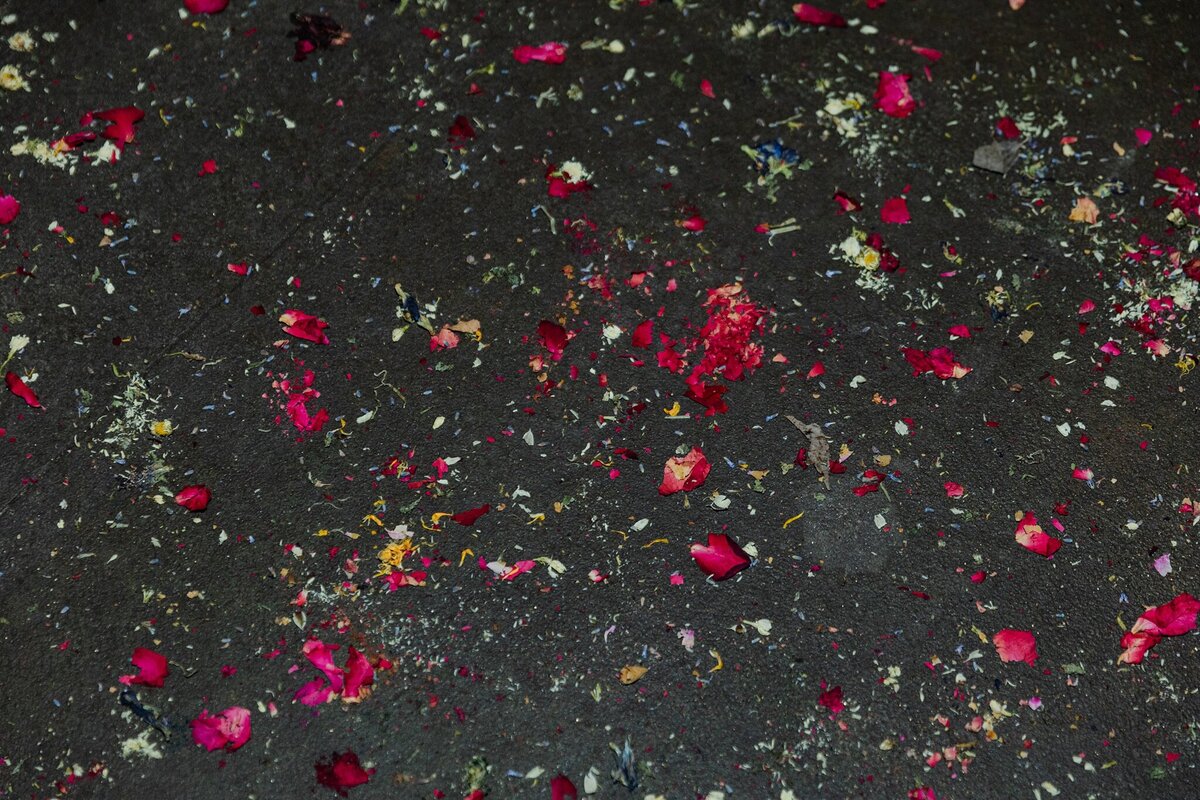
811 15
342 771
21 390
152 669
684 473
468 518
1013 645
721 558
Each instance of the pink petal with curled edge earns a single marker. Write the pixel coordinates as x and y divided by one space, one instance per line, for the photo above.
193 498
1013 645
229 729
721 558
1172 618
1143 135
684 473
359 674
1031 536
9 208
320 655
152 669
811 15
895 211
1086 307
314 693
304 326
892 95
1136 645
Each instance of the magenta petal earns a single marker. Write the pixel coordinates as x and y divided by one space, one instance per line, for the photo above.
9 208
230 729
206 731
895 211
721 558
152 669
193 498
1172 618
205 6
562 788
320 655
1013 645
314 693
359 673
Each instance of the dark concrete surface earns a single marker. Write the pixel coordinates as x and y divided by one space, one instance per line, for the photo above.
338 177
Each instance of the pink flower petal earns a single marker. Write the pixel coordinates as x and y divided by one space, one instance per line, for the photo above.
1136 645
469 517
229 729
895 211
121 123
548 53
554 338
1143 135
1031 536
561 788
205 6
721 558
304 326
643 334
342 771
1172 618
1013 645
684 473
811 15
152 669
9 208
940 361
832 699
892 95
359 675
193 498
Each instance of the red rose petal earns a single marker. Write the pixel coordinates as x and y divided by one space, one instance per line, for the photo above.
684 473
721 558
1013 645
811 15
227 730
193 498
21 390
467 518
548 53
342 771
152 669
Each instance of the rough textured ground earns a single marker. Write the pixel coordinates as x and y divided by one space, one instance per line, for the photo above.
439 555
